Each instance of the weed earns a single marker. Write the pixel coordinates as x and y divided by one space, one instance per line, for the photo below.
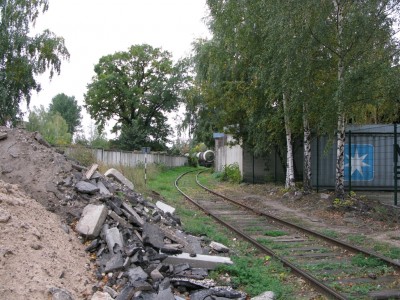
359 239
232 173
342 203
83 155
256 275
275 233
360 260
330 233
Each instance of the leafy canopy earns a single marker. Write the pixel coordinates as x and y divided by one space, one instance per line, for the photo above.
22 56
51 126
136 89
69 109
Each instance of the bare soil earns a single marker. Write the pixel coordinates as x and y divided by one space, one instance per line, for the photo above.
38 253
362 216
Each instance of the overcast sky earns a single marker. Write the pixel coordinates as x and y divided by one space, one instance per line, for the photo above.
94 28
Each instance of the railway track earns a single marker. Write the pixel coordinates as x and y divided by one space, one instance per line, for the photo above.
337 269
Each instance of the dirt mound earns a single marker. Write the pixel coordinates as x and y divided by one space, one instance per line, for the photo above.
39 254
36 253
38 169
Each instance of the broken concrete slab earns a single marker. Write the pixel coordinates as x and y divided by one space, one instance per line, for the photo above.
60 294
92 219
165 295
153 235
116 262
3 135
165 207
129 209
199 261
119 177
101 296
91 171
136 274
219 247
102 188
119 220
265 296
114 240
85 187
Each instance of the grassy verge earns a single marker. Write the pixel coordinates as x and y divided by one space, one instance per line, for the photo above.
251 272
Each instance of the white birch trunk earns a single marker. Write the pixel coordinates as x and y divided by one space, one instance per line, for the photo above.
307 186
289 183
339 185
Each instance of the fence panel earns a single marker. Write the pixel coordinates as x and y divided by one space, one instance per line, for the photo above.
132 159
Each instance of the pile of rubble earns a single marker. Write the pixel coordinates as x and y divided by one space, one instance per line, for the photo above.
138 248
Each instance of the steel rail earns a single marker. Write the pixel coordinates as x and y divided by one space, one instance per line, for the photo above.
337 242
308 277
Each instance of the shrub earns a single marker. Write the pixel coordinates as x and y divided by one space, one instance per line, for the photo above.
83 155
232 173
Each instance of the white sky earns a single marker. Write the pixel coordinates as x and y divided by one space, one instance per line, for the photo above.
95 28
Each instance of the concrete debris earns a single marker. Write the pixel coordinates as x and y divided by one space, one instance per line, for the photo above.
140 247
219 247
119 177
199 261
60 294
3 135
85 187
265 296
165 207
91 222
101 296
91 171
102 189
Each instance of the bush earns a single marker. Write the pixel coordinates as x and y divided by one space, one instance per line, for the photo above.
83 155
193 161
232 173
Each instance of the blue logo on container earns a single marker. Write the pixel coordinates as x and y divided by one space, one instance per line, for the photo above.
361 160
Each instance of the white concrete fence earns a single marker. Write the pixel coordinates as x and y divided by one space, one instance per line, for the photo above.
134 158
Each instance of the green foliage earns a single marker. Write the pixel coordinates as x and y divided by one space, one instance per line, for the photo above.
275 233
23 56
342 203
330 233
360 260
193 161
52 127
82 154
137 88
69 109
256 276
232 173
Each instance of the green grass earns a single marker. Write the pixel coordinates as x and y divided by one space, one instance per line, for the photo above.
360 260
275 233
330 233
256 275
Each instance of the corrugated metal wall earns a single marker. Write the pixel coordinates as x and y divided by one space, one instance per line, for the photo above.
368 161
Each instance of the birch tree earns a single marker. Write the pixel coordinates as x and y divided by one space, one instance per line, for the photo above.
359 37
23 57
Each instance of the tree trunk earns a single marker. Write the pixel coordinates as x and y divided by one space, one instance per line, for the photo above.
307 186
289 183
339 185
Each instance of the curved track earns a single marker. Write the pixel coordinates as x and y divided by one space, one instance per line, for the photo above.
339 270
